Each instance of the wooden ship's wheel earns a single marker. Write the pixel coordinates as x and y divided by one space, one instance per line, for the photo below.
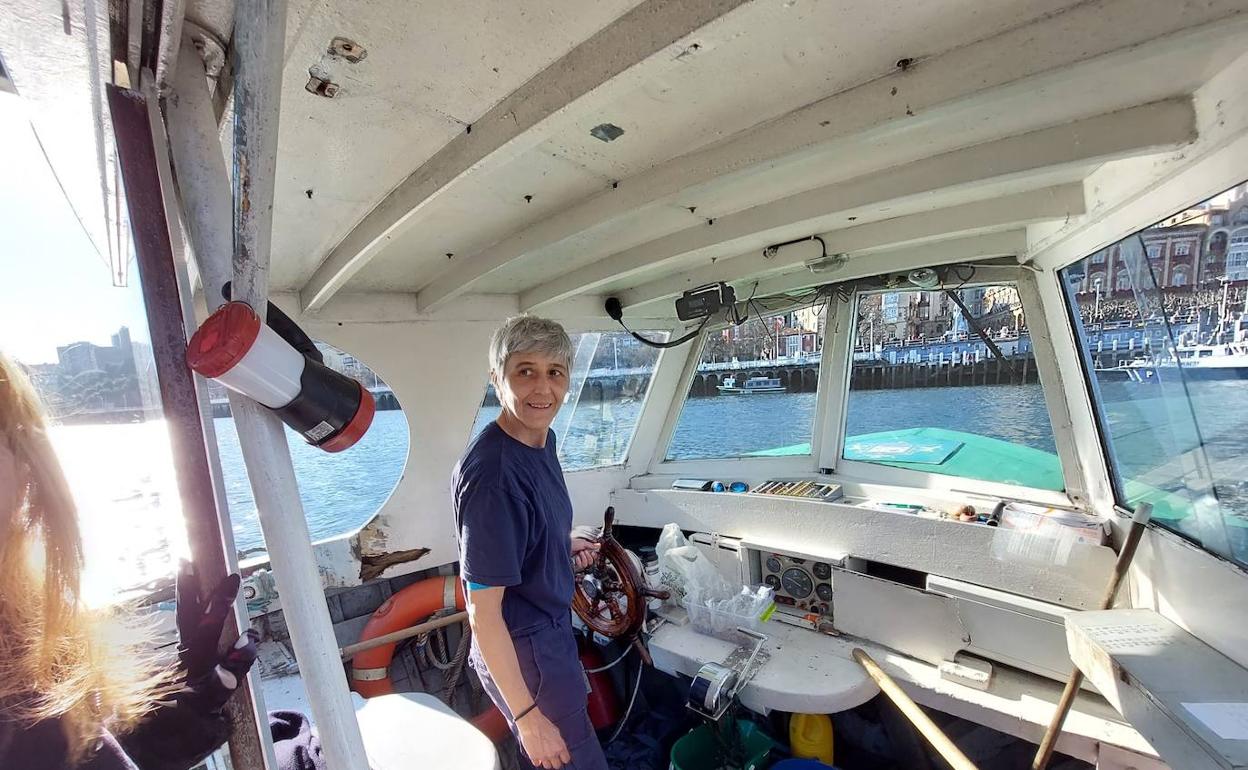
610 595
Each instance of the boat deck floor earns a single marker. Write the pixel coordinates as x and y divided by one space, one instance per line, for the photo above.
873 736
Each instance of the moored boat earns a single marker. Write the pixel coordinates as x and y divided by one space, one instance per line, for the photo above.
751 385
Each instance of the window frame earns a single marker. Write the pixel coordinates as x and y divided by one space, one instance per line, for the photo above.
1090 386
733 467
641 408
831 459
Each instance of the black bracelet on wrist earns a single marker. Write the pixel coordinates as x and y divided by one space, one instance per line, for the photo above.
522 714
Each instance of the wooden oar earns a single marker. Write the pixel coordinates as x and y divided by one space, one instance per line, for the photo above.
1139 521
926 727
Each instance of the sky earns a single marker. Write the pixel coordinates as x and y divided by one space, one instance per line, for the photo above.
54 287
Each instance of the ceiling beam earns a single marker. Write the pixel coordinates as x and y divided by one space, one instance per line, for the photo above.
912 96
1009 211
968 249
638 42
1134 131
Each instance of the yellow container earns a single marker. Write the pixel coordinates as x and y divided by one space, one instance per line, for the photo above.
810 737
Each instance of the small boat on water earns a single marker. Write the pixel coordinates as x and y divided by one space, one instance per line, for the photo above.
1195 362
751 385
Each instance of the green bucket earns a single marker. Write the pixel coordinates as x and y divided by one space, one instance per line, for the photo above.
699 750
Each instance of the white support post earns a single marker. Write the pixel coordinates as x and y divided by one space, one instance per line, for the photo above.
253 751
259 41
204 184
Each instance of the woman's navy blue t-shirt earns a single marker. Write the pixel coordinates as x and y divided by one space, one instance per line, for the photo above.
514 519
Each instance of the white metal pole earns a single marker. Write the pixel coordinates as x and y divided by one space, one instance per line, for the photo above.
203 180
245 753
259 42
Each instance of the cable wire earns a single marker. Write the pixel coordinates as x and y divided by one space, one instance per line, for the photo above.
632 699
669 343
610 665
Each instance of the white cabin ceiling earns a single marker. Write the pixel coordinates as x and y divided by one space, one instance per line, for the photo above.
733 102
745 123
431 69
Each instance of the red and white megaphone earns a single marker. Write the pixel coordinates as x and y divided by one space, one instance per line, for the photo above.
330 410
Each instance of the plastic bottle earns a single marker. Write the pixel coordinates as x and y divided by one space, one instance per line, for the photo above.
650 568
810 737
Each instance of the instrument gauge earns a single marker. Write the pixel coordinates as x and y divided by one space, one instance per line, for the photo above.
822 571
824 591
773 564
797 583
773 581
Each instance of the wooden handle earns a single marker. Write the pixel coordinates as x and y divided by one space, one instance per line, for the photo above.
926 727
351 650
1139 523
608 520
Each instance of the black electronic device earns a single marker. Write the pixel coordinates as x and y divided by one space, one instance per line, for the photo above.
705 301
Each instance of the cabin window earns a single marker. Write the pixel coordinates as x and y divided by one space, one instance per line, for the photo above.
611 373
1170 387
341 491
753 392
927 393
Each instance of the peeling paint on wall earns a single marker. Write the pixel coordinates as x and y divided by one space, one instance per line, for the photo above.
372 565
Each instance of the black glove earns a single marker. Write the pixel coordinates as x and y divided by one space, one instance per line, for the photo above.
190 724
211 677
200 622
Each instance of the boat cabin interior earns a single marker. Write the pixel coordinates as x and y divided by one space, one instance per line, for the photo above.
923 322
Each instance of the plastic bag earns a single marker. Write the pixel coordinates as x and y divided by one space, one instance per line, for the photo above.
684 568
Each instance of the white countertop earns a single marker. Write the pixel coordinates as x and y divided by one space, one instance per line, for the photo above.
814 673
800 676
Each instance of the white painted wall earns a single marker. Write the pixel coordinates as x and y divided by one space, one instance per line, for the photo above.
1203 594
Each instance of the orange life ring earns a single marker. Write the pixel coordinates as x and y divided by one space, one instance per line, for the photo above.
370 669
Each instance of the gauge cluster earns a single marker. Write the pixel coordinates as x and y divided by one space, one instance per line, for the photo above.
803 584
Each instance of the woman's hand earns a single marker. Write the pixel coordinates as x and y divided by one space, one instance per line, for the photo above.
584 552
541 741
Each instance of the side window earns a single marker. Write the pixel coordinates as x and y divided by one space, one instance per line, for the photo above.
753 393
72 317
1167 358
610 377
341 491
928 393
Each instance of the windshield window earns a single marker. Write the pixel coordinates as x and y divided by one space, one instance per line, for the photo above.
753 393
1167 357
929 393
610 377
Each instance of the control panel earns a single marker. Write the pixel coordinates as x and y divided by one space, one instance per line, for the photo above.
802 581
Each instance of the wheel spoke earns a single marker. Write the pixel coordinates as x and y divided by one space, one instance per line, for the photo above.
614 604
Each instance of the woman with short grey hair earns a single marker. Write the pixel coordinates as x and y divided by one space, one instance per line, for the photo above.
516 553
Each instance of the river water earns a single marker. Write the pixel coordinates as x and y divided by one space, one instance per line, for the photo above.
131 517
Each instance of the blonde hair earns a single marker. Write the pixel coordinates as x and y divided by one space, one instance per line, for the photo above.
57 659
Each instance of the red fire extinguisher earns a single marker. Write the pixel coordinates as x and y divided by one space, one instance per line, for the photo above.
604 705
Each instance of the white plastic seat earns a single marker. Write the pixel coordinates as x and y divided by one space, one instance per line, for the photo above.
412 731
